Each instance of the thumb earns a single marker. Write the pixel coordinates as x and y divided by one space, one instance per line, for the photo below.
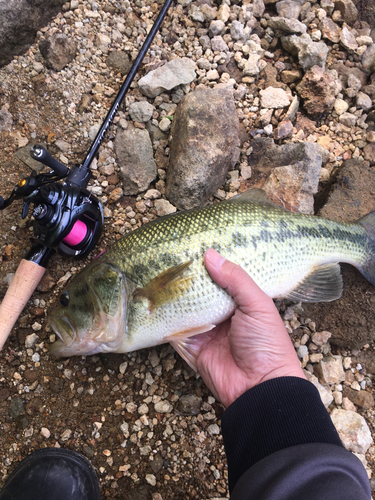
246 293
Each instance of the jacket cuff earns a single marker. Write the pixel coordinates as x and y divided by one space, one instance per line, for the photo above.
273 415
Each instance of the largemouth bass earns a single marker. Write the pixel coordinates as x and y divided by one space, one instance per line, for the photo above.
152 286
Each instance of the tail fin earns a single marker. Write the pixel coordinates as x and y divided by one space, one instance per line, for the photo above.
368 269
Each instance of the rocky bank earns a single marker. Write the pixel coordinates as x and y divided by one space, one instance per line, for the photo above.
232 95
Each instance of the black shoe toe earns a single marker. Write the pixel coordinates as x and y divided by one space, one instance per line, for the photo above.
52 474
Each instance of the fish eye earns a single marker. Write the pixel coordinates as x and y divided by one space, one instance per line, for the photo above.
64 299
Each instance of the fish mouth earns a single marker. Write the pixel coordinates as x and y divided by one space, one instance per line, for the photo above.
70 344
64 329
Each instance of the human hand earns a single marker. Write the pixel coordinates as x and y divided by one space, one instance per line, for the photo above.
249 348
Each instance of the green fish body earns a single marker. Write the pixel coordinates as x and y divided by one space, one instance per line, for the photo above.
152 286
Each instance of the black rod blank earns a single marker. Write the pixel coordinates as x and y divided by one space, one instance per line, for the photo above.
125 86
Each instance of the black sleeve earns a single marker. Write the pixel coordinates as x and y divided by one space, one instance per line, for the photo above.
268 431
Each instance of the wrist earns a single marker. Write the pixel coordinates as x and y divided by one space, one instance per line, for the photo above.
283 371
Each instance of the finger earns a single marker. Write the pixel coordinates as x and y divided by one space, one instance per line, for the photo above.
246 293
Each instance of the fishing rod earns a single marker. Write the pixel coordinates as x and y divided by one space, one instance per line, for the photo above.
68 219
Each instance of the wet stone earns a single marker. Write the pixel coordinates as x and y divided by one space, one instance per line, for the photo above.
4 394
189 404
119 61
157 463
30 375
363 399
16 407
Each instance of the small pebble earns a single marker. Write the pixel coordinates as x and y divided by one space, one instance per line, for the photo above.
45 432
151 479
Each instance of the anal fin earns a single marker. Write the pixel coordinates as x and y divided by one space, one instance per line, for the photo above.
323 284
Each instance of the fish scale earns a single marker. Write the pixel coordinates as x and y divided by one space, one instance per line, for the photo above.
167 292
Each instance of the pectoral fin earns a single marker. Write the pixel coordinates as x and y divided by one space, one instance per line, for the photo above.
323 284
166 286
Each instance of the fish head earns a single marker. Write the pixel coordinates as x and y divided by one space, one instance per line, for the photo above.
92 311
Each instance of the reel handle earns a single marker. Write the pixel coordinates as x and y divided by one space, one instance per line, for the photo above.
39 153
22 286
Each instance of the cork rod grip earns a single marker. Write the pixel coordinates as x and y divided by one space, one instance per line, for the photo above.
22 286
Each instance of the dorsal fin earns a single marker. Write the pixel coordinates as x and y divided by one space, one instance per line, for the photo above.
256 195
323 284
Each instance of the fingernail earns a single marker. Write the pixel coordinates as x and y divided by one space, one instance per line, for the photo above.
214 258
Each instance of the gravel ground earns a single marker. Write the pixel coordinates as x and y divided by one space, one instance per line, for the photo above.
145 420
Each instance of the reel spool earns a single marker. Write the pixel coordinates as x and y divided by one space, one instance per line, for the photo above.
68 219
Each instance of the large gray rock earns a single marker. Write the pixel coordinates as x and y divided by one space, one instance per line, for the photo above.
204 147
258 8
20 21
346 75
167 77
266 155
330 370
236 30
135 157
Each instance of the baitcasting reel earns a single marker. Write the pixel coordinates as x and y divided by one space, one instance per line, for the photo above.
67 217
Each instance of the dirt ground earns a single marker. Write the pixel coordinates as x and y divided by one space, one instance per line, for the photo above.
103 406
